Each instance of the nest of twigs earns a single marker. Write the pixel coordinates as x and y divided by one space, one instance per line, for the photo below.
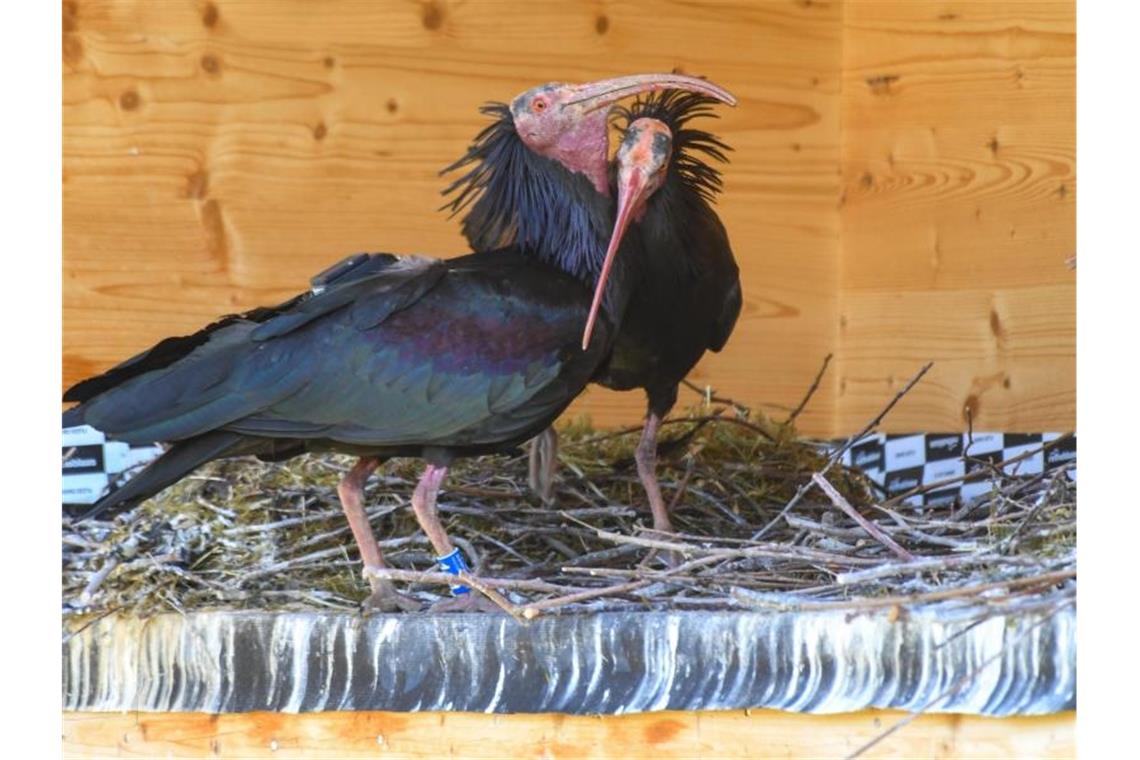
764 518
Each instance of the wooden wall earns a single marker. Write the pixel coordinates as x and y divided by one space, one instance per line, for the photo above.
216 154
958 214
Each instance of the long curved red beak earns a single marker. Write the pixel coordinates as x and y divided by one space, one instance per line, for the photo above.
630 195
594 95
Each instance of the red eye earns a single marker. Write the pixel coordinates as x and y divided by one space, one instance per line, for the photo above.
539 105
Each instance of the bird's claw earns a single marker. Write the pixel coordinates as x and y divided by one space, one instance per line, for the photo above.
469 602
669 558
384 597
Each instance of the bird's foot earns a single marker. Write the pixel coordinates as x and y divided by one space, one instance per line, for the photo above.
472 601
663 529
385 598
668 557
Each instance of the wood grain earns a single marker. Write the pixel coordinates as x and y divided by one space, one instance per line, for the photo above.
729 734
912 160
958 213
216 154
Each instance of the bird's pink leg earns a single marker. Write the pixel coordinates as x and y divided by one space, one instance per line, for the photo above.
424 506
646 458
351 492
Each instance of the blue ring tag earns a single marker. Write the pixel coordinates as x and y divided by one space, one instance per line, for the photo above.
454 564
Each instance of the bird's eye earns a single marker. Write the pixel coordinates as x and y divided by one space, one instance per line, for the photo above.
538 106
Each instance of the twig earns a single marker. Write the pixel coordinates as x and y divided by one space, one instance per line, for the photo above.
96 581
923 565
708 393
838 500
447 579
763 601
810 391
494 596
533 610
1042 500
874 423
838 453
746 552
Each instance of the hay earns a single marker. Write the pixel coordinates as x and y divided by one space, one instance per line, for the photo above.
756 528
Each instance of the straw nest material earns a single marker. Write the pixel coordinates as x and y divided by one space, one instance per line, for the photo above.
764 519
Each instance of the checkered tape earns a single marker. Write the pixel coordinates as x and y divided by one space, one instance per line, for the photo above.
900 463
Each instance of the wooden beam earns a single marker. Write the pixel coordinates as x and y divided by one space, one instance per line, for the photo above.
661 736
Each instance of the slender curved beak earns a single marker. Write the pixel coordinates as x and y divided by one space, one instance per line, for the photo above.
631 194
594 95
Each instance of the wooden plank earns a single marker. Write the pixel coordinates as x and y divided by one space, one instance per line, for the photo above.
1003 355
958 213
216 154
735 734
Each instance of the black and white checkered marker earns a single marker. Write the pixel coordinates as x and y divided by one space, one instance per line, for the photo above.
900 463
91 463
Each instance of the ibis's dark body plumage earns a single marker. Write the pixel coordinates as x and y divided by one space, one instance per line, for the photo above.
393 357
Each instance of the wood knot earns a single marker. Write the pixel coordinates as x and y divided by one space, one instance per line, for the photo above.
995 324
432 17
392 105
881 85
209 15
947 16
198 185
663 731
210 64
72 48
993 145
1063 191
601 24
320 131
866 180
329 62
70 16
129 100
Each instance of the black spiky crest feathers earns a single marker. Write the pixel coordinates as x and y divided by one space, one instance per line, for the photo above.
675 108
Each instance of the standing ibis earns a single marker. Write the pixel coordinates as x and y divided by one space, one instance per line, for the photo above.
687 295
390 356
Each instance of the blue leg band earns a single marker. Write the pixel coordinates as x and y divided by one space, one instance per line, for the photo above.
454 564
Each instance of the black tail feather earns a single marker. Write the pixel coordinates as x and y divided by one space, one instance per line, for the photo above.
73 417
177 461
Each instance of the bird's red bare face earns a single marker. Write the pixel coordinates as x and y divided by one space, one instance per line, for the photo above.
569 122
642 162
